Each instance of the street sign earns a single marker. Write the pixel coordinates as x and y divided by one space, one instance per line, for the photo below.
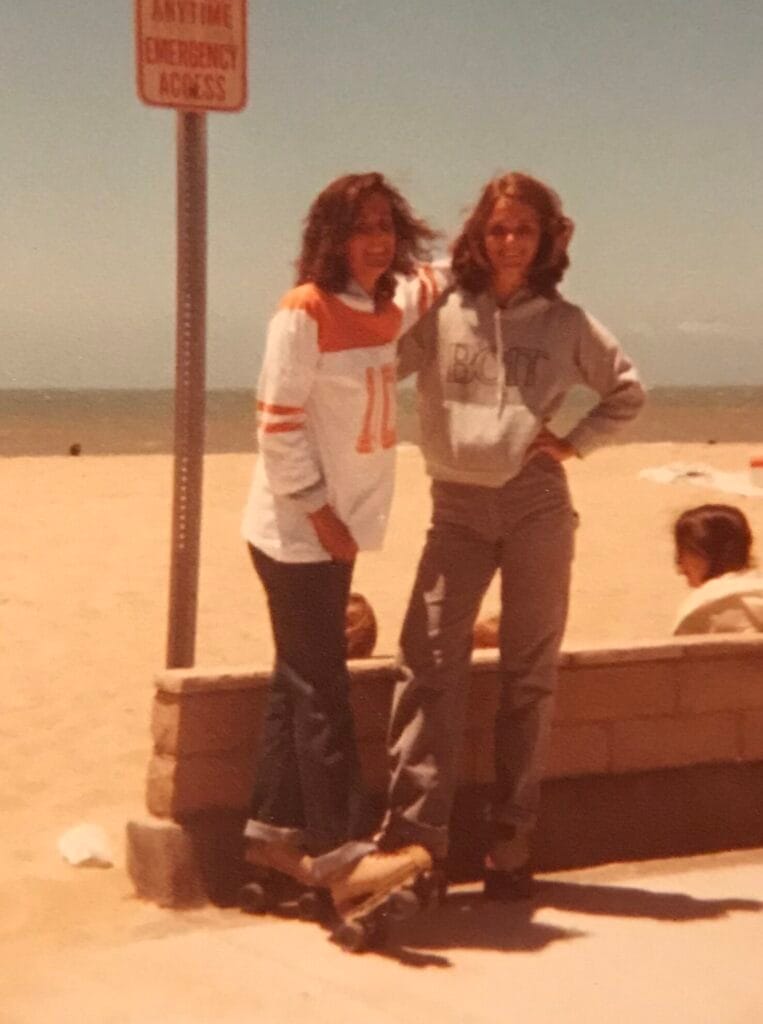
191 54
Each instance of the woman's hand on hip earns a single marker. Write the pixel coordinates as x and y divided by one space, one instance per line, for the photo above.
333 534
547 443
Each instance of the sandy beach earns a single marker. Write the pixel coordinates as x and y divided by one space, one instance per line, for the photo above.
83 592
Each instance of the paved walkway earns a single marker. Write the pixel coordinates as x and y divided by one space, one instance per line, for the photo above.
667 942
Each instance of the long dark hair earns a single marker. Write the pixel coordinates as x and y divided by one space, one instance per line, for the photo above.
471 267
718 533
330 222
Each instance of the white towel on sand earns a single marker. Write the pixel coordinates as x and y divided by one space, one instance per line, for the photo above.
702 475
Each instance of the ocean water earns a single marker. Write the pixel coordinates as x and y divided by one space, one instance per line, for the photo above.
100 422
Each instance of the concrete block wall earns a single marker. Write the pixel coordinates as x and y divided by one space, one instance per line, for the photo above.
657 750
692 701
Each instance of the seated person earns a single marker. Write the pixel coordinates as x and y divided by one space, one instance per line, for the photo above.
359 627
713 545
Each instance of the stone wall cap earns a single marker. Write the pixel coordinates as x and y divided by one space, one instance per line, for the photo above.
384 669
207 678
722 645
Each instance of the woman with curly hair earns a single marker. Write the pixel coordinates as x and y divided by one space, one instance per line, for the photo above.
713 545
495 356
321 492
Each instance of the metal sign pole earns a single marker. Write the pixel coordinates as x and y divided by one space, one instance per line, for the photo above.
189 385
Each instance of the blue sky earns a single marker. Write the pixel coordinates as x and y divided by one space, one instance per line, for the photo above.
645 118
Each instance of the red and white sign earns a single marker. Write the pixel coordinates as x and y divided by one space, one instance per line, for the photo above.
191 54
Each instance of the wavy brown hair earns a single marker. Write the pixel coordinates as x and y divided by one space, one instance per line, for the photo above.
471 267
331 220
718 533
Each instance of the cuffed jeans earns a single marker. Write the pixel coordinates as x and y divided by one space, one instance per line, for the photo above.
308 787
525 530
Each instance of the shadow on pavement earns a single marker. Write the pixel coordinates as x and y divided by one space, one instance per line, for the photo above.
466 921
617 901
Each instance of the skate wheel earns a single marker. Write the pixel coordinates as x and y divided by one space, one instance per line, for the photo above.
403 904
254 898
431 888
377 929
352 936
315 905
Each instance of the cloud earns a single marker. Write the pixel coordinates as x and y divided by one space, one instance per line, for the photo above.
704 328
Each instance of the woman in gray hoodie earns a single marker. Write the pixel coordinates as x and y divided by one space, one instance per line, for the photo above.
495 357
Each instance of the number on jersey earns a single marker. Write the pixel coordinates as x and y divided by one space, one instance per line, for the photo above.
380 387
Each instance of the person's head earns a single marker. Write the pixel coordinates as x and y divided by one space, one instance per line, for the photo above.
516 236
360 227
711 540
359 627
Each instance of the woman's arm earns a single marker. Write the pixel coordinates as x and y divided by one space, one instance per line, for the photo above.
606 369
292 463
416 295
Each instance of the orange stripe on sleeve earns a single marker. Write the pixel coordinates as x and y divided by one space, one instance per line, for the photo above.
280 428
279 410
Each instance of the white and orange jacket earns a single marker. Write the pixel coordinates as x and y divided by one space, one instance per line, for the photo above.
326 407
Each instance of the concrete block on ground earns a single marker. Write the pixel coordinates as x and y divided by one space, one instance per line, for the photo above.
162 863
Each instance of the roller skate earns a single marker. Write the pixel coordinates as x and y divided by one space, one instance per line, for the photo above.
380 888
508 872
280 876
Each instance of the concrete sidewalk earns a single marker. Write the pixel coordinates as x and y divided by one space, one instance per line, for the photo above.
673 941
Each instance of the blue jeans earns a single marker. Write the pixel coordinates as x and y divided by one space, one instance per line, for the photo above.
308 789
525 531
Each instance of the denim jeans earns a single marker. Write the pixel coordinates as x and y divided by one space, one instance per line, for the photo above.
525 531
308 787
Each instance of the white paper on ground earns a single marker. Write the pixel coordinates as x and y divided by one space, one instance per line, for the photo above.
702 475
86 846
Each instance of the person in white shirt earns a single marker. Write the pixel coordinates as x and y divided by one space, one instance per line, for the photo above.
713 545
320 493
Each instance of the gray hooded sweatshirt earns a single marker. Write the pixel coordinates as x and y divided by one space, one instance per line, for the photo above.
490 377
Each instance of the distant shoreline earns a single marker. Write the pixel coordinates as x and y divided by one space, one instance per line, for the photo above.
140 421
